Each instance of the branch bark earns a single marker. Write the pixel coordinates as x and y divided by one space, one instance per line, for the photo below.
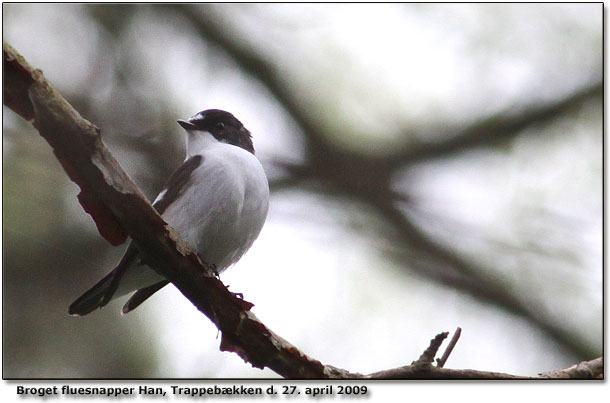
81 151
119 208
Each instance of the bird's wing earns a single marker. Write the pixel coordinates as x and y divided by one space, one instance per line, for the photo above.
101 293
173 188
176 183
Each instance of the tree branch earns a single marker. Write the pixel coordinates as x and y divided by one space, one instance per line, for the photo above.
472 279
79 147
498 128
593 369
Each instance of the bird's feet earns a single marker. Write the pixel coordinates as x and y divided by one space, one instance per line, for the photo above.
215 271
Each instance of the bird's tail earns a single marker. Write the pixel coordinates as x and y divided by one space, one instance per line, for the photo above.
96 297
101 293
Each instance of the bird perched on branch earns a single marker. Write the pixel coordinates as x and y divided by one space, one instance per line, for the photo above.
217 200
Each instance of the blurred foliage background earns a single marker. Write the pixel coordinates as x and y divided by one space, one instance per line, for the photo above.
431 165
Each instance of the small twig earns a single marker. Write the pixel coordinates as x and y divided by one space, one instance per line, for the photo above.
440 362
428 356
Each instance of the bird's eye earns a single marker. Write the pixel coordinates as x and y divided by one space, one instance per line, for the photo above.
220 126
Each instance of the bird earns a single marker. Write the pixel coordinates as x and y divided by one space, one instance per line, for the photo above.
217 200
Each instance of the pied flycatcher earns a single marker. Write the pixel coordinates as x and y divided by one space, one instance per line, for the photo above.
217 200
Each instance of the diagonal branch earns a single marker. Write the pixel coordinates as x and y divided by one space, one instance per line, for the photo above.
454 339
82 153
88 162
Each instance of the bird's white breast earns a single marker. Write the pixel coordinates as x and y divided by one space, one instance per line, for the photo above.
224 205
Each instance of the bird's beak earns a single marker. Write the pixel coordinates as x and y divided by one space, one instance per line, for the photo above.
187 125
